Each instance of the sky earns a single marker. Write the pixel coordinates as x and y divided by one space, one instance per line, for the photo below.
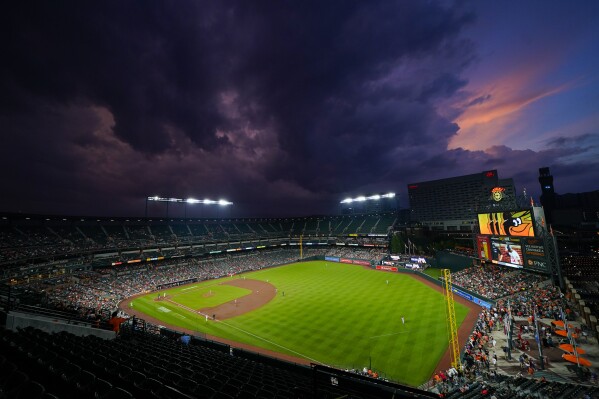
287 107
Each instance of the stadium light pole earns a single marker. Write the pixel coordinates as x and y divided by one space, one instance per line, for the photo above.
364 199
185 201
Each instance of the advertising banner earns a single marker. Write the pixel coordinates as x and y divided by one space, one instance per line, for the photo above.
331 258
361 262
534 254
471 298
484 247
511 223
343 260
386 268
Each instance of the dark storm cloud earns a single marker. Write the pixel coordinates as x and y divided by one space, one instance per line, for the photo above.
561 141
280 106
142 61
324 85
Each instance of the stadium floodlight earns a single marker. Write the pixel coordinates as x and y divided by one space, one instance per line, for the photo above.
363 198
185 201
155 198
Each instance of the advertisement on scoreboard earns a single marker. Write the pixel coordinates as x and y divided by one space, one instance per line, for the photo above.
484 247
534 254
511 223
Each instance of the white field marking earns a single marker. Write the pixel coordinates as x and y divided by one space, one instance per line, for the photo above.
388 335
246 332
189 288
270 342
179 315
163 309
182 306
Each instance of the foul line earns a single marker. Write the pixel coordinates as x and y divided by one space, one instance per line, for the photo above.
246 332
271 342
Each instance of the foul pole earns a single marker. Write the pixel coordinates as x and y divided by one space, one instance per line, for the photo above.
452 329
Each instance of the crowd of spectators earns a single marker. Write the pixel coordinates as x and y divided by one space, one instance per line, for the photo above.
495 282
480 352
374 254
99 292
479 359
546 298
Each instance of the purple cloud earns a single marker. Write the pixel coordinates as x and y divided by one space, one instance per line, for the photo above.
280 107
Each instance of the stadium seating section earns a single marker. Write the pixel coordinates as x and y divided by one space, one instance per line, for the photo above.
36 365
38 238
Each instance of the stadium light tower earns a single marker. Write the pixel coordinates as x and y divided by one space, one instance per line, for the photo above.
185 201
362 199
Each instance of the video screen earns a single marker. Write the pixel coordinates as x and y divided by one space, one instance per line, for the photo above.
506 252
511 223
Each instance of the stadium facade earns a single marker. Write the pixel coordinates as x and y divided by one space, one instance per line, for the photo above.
452 204
574 210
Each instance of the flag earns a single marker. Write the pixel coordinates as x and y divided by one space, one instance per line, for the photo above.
532 203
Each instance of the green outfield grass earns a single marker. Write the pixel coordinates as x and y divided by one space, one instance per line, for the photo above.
337 314
435 273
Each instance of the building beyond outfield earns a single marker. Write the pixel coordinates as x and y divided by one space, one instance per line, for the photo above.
452 204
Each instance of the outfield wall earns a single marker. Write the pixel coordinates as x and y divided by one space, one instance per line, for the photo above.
453 262
464 293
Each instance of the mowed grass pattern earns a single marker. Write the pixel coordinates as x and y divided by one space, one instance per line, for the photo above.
337 314
197 297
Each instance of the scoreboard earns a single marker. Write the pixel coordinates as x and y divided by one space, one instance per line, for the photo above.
509 239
